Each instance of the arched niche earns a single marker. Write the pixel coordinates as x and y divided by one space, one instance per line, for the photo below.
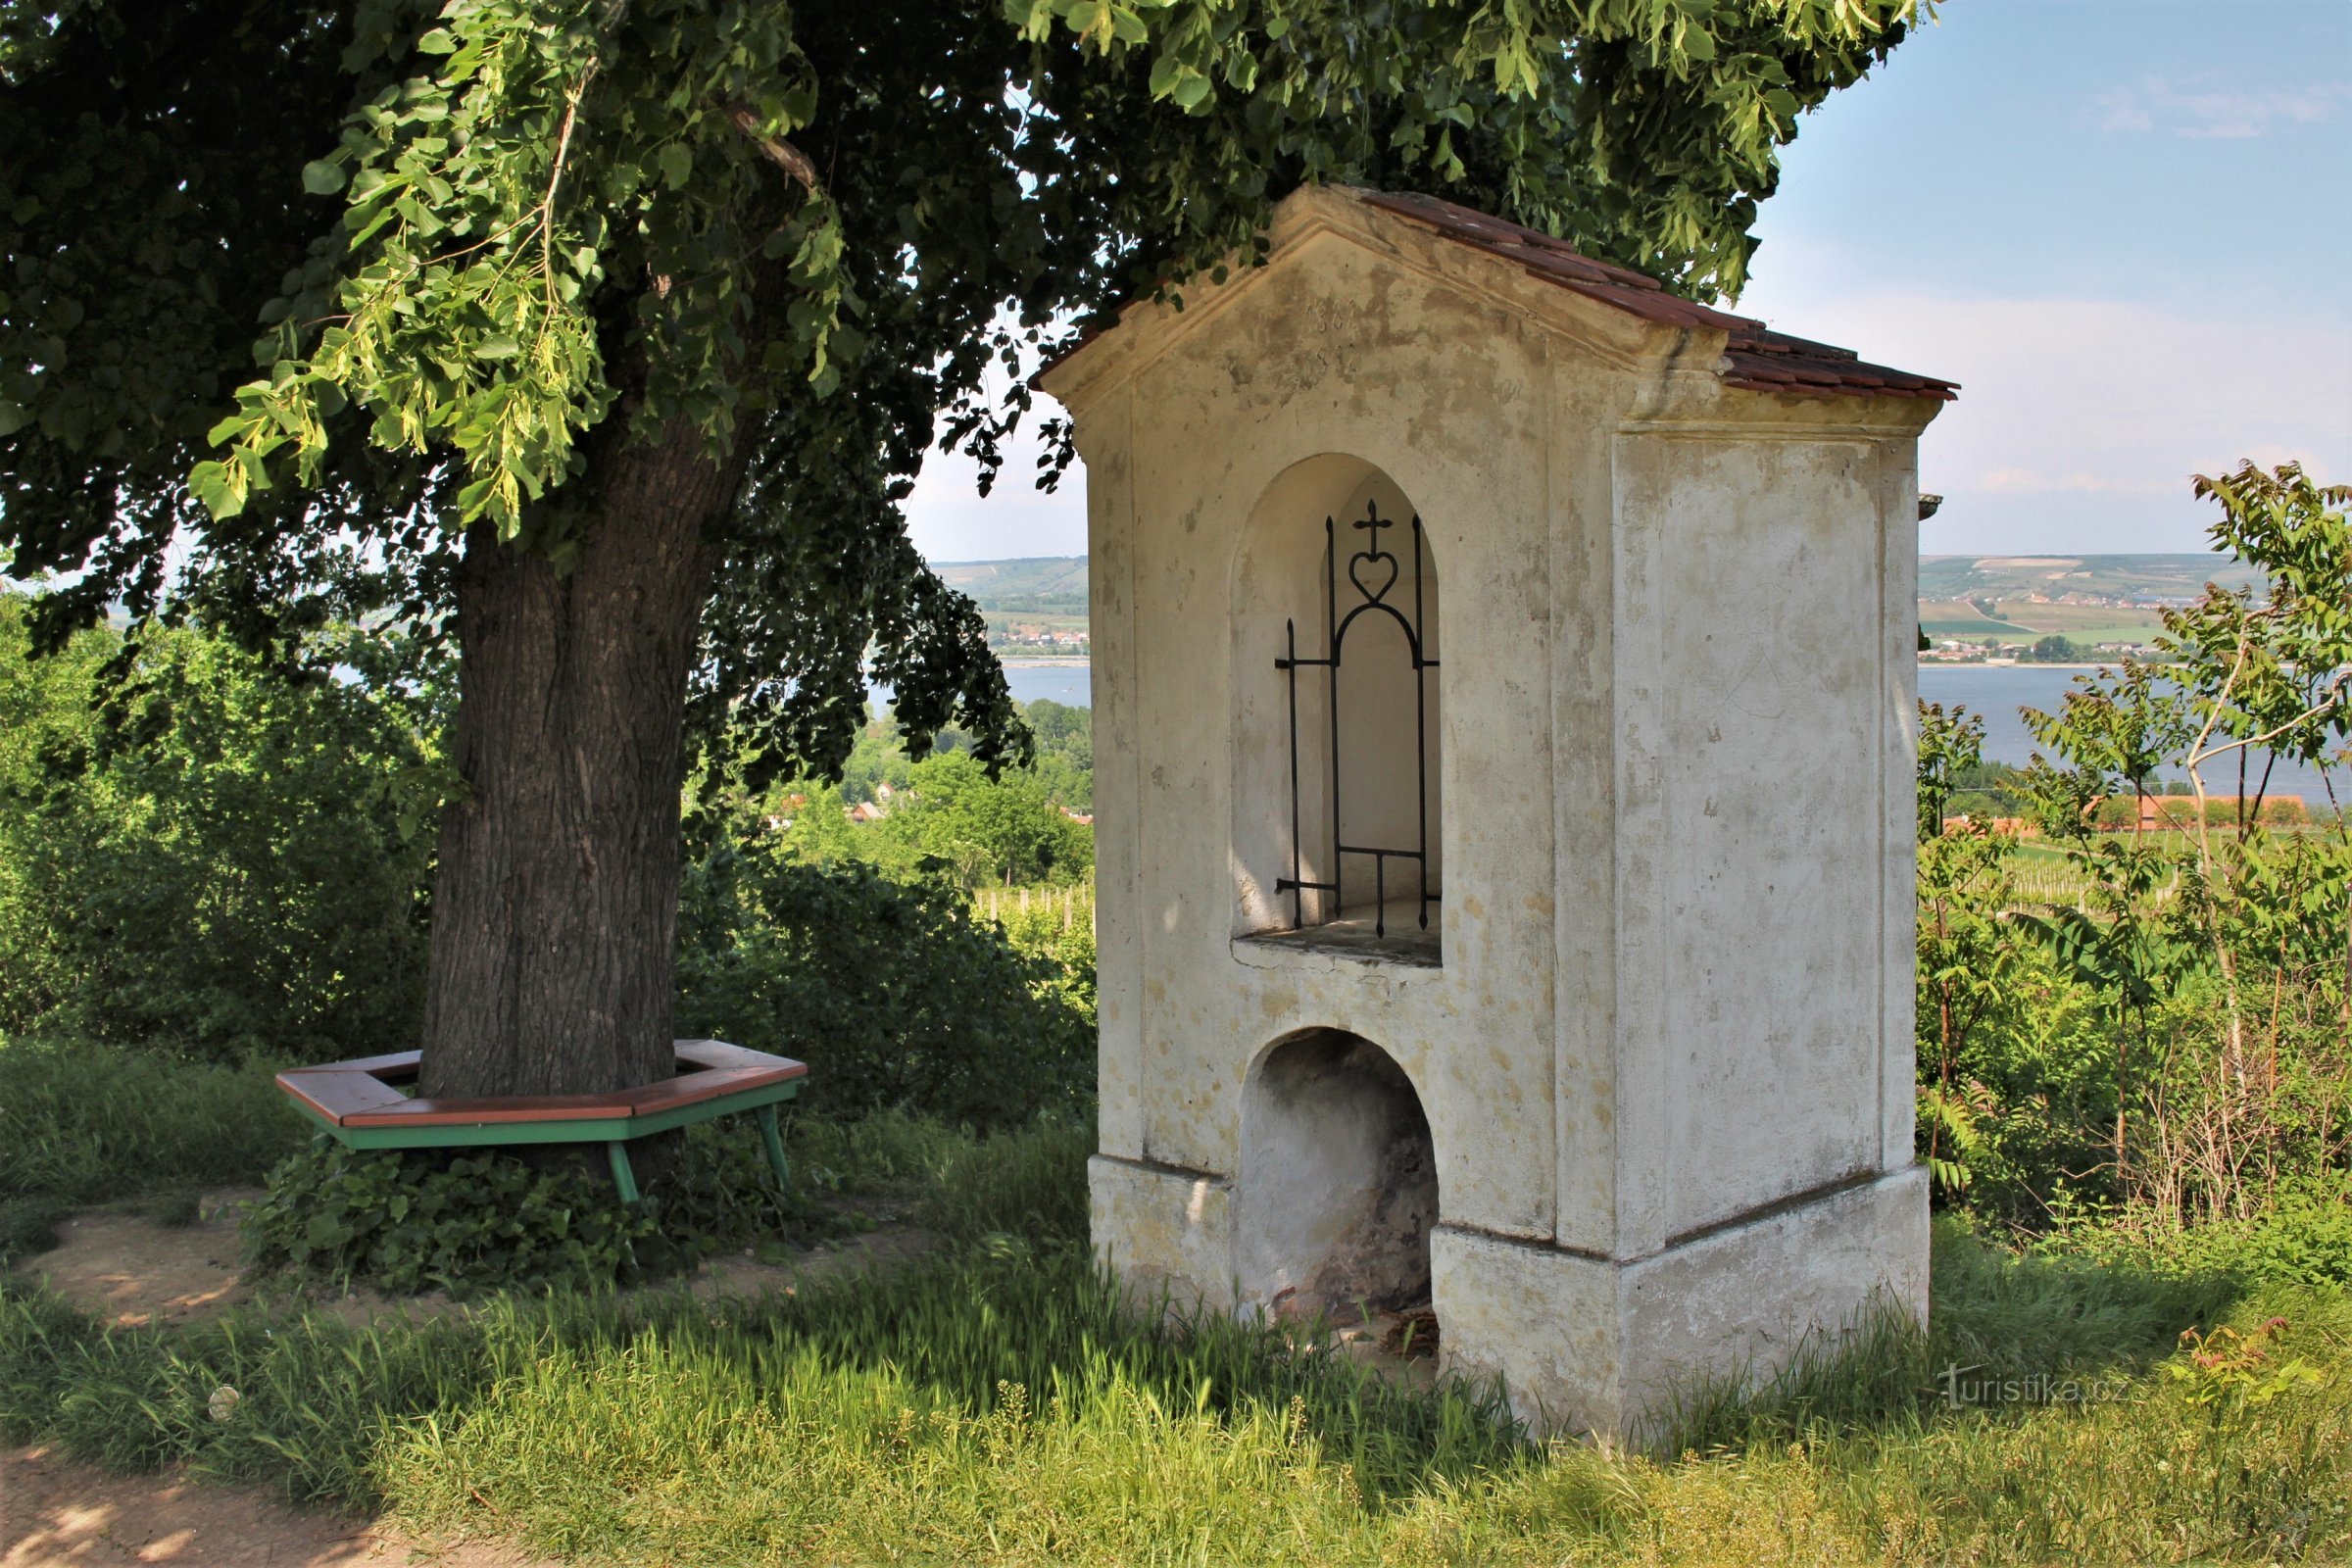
1338 1186
1338 715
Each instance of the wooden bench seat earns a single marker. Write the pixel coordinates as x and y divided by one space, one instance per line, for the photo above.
359 1103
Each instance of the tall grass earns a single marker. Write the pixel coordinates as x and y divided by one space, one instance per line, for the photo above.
1004 1402
83 1123
1000 1411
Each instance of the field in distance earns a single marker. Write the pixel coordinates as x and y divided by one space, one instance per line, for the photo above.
2088 599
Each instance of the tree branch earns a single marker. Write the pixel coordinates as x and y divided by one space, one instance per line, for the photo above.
783 154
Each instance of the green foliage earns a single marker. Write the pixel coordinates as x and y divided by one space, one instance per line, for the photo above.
2055 650
1007 1393
1012 829
2276 674
503 164
1066 733
83 1123
497 165
1950 744
2212 956
494 1220
2302 1236
1018 1407
1059 928
1020 1190
492 245
408 1222
215 857
1008 831
891 991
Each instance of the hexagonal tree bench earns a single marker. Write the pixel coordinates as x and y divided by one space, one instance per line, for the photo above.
360 1104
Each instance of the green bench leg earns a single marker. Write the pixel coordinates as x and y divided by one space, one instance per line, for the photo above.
624 1179
774 1139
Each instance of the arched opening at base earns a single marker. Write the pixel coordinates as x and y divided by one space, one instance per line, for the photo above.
1338 1186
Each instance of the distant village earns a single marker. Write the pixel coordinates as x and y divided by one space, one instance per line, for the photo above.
2040 650
1949 648
1014 638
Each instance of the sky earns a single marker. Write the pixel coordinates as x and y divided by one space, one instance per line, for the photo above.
2122 225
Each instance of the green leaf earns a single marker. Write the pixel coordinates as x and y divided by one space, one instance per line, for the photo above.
1127 26
220 487
1035 19
439 42
12 418
677 163
323 176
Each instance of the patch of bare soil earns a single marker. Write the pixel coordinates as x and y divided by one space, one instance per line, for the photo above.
55 1513
877 1252
1401 1347
131 1269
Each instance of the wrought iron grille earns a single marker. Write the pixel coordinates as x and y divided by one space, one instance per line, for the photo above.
1371 572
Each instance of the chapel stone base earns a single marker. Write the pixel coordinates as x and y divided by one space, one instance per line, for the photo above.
1584 1345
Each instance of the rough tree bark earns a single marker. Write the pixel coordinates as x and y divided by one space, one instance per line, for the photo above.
555 902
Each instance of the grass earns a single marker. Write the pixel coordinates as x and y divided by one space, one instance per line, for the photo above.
1960 618
1002 1403
83 1123
1011 1409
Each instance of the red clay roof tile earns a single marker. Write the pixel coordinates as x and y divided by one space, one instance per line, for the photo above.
1756 357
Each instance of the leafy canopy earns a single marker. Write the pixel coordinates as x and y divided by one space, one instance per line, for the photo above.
479 238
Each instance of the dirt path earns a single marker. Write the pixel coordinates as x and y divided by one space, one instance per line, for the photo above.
131 1270
55 1513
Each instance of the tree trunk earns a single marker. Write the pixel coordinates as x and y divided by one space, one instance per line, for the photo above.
555 902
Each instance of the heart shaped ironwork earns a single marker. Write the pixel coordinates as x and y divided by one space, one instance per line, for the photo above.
1355 564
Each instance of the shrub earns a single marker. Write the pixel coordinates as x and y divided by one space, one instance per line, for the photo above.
2303 1237
892 992
225 861
419 1220
407 1222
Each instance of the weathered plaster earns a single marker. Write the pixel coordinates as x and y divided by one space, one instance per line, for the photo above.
1673 990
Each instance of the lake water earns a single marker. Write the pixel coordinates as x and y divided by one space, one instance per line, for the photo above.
1069 684
1996 691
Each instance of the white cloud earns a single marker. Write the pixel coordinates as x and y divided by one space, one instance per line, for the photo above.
2206 113
950 520
2080 422
2122 109
2026 483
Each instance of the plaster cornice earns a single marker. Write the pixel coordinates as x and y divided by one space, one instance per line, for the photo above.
1149 328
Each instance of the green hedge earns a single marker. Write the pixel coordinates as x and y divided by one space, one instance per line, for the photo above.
892 992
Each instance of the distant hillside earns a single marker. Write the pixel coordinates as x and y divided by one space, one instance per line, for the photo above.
1034 585
2088 599
2143 579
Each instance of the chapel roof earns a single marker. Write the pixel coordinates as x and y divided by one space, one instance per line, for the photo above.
1756 356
